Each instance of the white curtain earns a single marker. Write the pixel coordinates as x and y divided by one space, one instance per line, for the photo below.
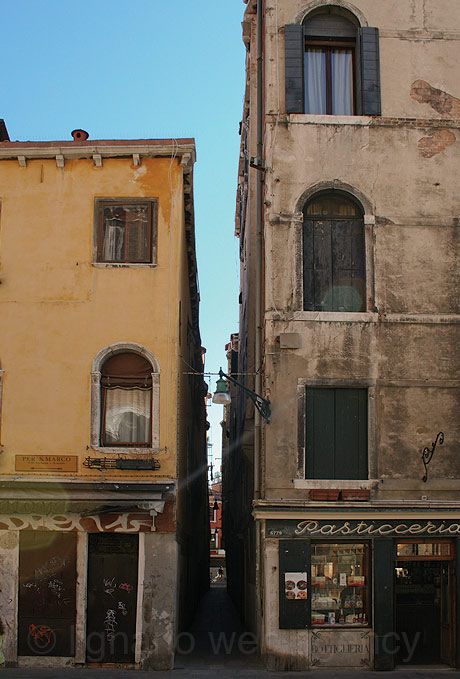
112 248
342 82
127 415
315 81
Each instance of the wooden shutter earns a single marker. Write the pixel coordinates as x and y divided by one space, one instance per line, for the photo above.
320 435
370 71
317 263
348 266
294 55
336 436
350 433
294 557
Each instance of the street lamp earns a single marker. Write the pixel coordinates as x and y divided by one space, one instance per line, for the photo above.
222 397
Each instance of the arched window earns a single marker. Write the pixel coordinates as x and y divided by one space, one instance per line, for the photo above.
126 401
332 65
334 272
125 398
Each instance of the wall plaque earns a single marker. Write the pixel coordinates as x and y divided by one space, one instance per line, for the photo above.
341 649
47 463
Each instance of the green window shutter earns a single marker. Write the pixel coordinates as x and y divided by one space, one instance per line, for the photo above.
336 433
370 71
350 433
294 557
293 54
320 438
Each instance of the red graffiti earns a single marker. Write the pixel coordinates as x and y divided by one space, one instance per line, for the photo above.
125 586
41 633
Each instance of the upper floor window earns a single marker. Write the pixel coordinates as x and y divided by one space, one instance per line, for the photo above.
336 433
332 66
329 65
334 271
126 401
126 230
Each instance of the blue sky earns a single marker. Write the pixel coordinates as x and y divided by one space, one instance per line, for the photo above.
142 69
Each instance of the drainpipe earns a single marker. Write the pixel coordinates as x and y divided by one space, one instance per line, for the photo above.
259 249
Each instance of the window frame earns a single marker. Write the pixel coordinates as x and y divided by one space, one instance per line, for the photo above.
96 400
331 258
152 211
302 480
133 444
367 65
327 46
369 315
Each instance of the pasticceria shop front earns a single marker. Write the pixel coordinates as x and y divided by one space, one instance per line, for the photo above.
360 592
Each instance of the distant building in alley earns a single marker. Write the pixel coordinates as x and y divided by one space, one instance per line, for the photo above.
103 486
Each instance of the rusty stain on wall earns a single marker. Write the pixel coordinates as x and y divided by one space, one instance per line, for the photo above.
442 102
435 142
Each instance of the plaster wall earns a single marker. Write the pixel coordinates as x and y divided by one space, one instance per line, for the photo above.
159 602
417 38
59 309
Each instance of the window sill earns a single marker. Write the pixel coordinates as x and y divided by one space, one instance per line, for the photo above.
336 316
126 450
335 484
124 265
316 119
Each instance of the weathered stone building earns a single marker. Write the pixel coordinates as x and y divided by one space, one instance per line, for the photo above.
343 545
104 546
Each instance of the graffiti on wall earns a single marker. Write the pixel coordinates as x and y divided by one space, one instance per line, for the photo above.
132 522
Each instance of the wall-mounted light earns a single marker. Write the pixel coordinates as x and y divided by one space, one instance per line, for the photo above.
222 397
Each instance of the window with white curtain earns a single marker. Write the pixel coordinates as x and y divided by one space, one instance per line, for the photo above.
126 401
329 65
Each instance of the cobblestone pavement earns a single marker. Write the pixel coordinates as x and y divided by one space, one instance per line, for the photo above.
216 647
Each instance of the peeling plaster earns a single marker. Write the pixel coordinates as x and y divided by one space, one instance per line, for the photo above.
442 102
435 142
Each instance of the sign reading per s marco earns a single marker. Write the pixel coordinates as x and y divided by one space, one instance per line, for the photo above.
354 528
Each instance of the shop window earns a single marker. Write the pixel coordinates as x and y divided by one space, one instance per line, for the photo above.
340 591
336 433
125 398
126 231
324 584
334 270
332 66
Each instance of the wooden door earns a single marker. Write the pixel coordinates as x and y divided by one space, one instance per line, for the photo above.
47 588
112 597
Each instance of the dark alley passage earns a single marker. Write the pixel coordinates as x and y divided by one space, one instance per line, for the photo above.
216 638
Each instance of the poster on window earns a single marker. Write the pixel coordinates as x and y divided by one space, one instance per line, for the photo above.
295 585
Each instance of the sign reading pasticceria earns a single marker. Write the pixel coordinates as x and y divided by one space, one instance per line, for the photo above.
312 528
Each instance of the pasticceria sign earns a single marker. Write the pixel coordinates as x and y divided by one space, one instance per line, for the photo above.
312 528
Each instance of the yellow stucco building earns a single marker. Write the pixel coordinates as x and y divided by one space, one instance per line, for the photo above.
102 431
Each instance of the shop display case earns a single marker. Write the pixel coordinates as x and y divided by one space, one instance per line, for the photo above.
340 587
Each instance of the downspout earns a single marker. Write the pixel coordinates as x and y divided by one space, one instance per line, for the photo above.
259 250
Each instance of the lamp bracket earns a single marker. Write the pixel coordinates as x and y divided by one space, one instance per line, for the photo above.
262 404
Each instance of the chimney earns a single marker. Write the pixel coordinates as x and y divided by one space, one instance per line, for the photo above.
79 135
